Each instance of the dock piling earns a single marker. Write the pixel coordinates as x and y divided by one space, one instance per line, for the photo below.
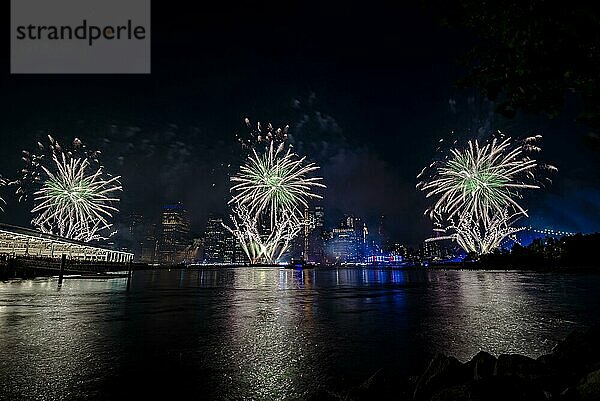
129 271
63 262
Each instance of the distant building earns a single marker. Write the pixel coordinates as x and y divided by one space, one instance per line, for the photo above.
175 234
384 259
309 227
348 243
234 253
437 250
229 249
310 244
344 246
383 239
398 249
149 247
220 245
136 234
215 242
319 217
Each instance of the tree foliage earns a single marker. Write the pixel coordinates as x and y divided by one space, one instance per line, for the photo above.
576 251
529 55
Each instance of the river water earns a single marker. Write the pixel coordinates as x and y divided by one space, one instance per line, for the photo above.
268 333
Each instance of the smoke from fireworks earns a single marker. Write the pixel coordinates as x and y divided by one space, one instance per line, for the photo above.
268 193
73 196
478 190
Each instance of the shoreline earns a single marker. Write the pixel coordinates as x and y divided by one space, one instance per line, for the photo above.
39 270
571 371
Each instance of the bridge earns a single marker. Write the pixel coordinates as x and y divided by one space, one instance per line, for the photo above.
18 242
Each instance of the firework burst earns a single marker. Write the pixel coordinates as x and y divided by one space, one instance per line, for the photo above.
478 190
73 198
276 181
269 194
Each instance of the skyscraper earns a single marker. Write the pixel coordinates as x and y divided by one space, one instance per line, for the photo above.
215 241
343 246
319 217
383 239
315 238
175 233
136 234
149 252
309 227
348 241
234 253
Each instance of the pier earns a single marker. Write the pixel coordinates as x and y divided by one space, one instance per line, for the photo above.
27 252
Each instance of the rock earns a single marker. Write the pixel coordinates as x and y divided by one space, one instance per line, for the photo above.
482 365
500 388
589 387
462 392
519 366
442 372
570 372
383 385
323 395
492 388
578 354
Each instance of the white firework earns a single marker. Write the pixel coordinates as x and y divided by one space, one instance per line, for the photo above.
475 236
276 180
480 180
269 193
478 190
3 182
264 244
75 201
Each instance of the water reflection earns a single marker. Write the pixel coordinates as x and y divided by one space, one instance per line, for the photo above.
268 333
500 312
46 337
271 340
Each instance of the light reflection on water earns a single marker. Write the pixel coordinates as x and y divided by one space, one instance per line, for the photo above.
268 333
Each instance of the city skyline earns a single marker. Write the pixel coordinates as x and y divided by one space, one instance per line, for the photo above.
168 240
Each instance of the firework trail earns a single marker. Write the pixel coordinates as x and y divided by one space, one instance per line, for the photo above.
264 244
259 135
478 190
473 235
3 182
73 197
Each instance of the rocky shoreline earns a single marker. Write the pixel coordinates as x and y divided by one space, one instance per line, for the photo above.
570 372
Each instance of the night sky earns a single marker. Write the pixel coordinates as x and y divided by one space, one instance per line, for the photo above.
367 90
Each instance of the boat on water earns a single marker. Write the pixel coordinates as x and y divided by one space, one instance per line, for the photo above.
300 264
